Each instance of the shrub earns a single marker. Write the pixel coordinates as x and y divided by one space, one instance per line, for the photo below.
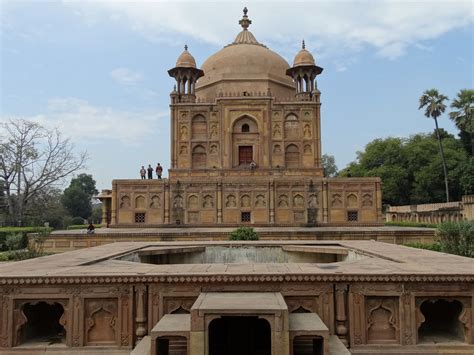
429 246
77 220
244 233
6 231
457 237
16 241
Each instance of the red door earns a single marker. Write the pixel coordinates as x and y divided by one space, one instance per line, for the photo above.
245 154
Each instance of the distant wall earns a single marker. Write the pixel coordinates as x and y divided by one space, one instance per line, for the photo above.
433 212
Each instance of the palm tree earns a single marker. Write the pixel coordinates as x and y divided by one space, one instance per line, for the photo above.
463 116
434 103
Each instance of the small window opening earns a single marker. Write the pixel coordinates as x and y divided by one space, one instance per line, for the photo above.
140 217
43 323
172 345
245 217
308 344
245 128
441 323
352 216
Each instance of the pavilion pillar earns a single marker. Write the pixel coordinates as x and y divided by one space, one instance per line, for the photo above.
341 315
140 311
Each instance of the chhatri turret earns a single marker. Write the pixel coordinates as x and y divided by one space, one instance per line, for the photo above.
186 74
304 72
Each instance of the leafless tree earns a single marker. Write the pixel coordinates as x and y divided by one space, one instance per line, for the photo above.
33 158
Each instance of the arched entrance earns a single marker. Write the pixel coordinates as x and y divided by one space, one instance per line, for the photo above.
235 335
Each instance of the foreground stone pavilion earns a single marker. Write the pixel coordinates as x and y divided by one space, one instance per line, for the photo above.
279 298
246 150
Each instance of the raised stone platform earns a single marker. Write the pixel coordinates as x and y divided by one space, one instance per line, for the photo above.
60 241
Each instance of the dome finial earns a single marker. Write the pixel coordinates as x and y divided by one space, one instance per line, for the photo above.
245 22
185 47
303 45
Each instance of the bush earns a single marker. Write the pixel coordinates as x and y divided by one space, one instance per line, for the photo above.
457 237
7 231
77 220
412 224
244 233
429 246
16 241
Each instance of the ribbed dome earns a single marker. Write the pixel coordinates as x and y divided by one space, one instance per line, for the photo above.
186 60
245 65
303 57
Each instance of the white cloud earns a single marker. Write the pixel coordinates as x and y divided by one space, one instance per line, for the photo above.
126 76
80 120
331 28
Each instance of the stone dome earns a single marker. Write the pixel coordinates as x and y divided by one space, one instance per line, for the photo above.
303 57
245 65
186 60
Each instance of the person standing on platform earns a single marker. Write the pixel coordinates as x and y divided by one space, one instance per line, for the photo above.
159 171
150 172
142 172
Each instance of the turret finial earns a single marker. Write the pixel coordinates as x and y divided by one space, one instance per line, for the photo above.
303 45
245 22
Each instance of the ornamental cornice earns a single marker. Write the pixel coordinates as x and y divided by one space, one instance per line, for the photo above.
235 278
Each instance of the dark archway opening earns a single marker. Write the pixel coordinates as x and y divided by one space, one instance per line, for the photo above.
308 345
441 323
239 335
43 323
172 345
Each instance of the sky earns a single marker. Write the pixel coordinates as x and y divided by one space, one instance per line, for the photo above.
97 70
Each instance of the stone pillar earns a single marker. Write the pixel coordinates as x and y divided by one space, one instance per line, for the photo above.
166 203
140 311
341 317
325 201
271 197
113 207
219 202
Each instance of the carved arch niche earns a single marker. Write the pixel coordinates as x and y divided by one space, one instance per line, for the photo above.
382 320
292 156
101 321
245 135
199 128
352 200
140 202
125 201
199 157
292 127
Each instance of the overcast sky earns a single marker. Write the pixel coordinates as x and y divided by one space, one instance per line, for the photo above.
98 69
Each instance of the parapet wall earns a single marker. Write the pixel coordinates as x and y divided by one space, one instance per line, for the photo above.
433 212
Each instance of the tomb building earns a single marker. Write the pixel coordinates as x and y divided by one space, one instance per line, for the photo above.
245 149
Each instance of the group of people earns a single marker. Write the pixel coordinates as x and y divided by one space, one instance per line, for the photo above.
149 172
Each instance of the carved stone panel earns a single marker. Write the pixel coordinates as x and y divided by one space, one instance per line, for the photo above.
382 319
100 321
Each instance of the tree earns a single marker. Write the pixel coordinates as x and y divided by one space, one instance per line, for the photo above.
463 116
46 207
77 198
411 168
433 102
33 158
329 164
